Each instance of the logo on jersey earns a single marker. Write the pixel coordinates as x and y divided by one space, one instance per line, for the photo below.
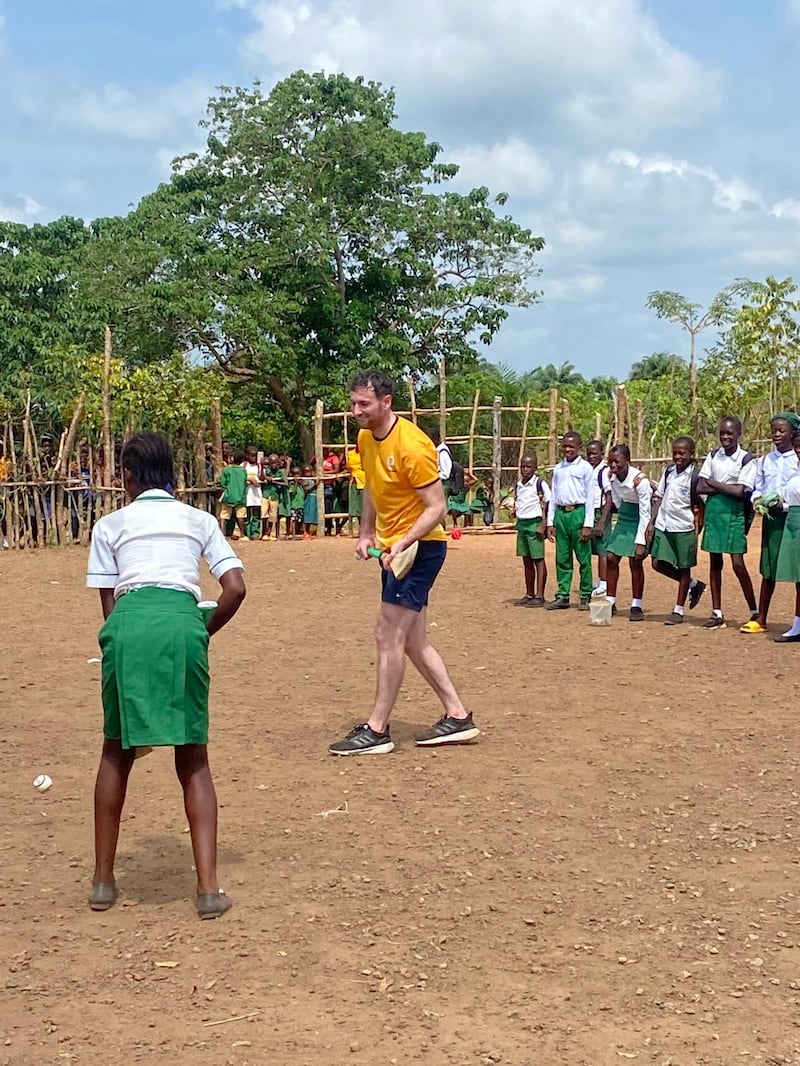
390 462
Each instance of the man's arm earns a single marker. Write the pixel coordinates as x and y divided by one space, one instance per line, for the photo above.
366 527
433 515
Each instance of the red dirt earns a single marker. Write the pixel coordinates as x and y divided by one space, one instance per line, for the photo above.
608 875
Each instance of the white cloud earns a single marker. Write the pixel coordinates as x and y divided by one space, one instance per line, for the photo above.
594 67
512 166
789 208
732 194
20 209
793 10
579 287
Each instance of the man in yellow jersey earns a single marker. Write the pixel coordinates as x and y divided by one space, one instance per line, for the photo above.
403 503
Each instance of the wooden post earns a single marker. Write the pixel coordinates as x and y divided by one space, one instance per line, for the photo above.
180 460
442 400
566 415
199 477
412 395
553 429
108 441
622 414
639 428
497 456
598 425
320 409
524 430
472 422
216 436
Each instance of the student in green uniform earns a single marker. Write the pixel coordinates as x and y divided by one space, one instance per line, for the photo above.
233 480
631 493
570 522
773 473
275 498
788 564
595 456
531 498
144 560
672 532
297 502
726 480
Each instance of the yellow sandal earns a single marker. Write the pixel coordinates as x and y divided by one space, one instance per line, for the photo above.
753 627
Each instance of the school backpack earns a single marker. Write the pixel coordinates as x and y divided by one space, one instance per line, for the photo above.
747 499
457 479
695 499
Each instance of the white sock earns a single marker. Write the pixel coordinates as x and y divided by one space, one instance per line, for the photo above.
677 609
601 586
795 630
636 603
611 599
716 613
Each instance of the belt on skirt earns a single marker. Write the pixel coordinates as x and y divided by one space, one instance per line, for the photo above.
569 506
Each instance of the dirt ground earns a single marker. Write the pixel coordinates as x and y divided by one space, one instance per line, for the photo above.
609 874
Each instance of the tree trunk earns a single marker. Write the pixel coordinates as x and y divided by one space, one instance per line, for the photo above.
693 381
295 410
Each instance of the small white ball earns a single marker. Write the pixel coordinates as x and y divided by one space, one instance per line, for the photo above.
42 782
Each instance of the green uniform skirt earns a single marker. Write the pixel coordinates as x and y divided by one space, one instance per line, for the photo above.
529 543
600 544
788 568
461 505
723 530
677 549
622 541
772 529
356 501
155 670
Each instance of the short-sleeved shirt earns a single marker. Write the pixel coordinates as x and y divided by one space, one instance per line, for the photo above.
729 469
675 514
395 468
271 491
252 470
635 489
602 484
774 472
527 503
234 484
156 540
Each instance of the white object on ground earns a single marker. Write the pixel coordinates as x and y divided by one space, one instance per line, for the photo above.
42 782
600 612
94 660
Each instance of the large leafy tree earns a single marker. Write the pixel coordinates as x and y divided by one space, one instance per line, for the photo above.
310 238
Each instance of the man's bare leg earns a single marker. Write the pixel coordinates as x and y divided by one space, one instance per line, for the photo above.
432 667
391 633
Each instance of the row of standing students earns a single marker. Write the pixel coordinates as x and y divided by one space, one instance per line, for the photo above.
710 506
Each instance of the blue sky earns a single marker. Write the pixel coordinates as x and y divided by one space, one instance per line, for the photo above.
653 144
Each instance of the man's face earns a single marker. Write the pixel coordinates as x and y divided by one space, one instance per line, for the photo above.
46 448
571 448
681 456
527 468
594 453
369 410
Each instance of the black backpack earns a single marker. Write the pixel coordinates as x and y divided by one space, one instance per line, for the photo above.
457 479
695 499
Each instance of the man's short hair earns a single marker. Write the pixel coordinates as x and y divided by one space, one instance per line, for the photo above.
380 383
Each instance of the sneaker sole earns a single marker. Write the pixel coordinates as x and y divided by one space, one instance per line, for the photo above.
376 749
461 737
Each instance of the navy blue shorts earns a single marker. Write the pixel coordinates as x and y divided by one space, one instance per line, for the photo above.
412 590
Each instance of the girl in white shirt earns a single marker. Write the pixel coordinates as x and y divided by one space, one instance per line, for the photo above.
788 565
145 560
631 493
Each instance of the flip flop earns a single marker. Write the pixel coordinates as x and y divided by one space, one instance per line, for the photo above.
752 627
103 896
213 904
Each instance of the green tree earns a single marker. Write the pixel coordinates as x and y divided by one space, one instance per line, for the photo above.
658 365
673 307
307 240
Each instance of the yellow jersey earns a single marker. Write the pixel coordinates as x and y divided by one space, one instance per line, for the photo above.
395 468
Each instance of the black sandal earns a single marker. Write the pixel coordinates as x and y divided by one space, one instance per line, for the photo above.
213 904
103 896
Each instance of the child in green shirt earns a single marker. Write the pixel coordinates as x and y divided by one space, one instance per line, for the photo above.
234 496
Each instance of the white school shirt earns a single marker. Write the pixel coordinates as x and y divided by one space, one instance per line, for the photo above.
636 489
791 491
526 498
573 484
729 469
254 492
675 515
602 484
445 461
156 540
774 472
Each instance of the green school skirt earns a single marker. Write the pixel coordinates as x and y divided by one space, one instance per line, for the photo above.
600 544
622 541
788 568
155 670
356 501
529 544
723 530
677 549
772 528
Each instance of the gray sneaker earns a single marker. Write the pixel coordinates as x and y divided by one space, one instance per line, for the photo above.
448 731
361 740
